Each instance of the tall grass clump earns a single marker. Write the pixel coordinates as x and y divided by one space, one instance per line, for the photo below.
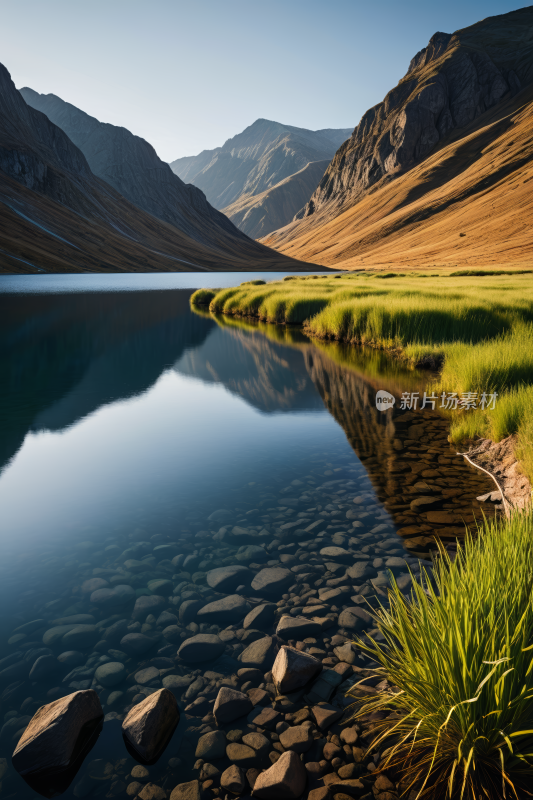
457 721
202 297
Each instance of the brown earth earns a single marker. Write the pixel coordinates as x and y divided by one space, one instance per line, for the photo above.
385 201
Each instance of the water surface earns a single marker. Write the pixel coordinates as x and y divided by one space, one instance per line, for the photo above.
129 422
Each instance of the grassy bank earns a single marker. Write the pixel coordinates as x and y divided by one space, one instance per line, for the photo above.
476 329
460 654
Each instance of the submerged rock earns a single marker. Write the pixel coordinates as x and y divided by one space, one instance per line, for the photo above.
260 653
149 725
285 780
227 579
202 647
293 669
226 611
273 580
51 738
110 674
231 704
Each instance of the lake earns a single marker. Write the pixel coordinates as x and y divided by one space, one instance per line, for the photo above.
144 445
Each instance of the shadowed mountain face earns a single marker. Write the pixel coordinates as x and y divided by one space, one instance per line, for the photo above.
257 159
438 157
57 216
131 166
260 214
61 358
268 375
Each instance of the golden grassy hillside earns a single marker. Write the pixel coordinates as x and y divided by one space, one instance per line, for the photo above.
470 203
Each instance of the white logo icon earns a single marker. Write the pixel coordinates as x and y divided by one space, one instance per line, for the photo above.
384 400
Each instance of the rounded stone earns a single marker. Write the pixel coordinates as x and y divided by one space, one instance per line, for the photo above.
211 745
226 579
273 580
147 675
134 644
81 636
202 647
226 611
110 674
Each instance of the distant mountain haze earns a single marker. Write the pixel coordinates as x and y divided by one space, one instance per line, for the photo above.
59 216
131 166
261 156
260 214
437 173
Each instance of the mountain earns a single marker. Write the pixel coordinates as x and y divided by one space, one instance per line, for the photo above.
257 159
259 214
58 216
131 166
437 173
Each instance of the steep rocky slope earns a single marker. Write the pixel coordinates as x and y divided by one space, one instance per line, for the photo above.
257 159
438 171
58 216
260 214
131 166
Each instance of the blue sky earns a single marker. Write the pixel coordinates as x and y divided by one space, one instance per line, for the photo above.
188 75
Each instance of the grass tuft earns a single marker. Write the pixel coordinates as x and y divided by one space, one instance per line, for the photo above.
457 716
202 297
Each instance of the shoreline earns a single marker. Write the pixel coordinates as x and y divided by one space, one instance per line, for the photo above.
496 459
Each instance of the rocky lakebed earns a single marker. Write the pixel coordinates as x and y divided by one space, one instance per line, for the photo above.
239 623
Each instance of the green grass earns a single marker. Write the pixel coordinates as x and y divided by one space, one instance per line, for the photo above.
480 335
459 723
202 297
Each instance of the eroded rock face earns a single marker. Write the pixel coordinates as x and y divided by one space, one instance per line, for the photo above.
285 780
149 724
449 83
51 738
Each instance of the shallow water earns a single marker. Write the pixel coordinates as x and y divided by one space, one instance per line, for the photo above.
126 422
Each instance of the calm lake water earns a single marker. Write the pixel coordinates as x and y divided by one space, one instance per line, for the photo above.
142 445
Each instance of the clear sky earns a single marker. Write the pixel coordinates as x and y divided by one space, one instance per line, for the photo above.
189 74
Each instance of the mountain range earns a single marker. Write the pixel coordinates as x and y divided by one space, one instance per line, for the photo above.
438 173
83 196
258 161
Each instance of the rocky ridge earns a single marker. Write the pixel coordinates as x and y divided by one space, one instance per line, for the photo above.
131 166
419 185
257 159
259 214
58 216
449 83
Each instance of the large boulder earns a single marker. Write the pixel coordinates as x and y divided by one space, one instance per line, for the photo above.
51 740
231 704
225 611
273 580
227 579
150 724
285 780
202 647
293 669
